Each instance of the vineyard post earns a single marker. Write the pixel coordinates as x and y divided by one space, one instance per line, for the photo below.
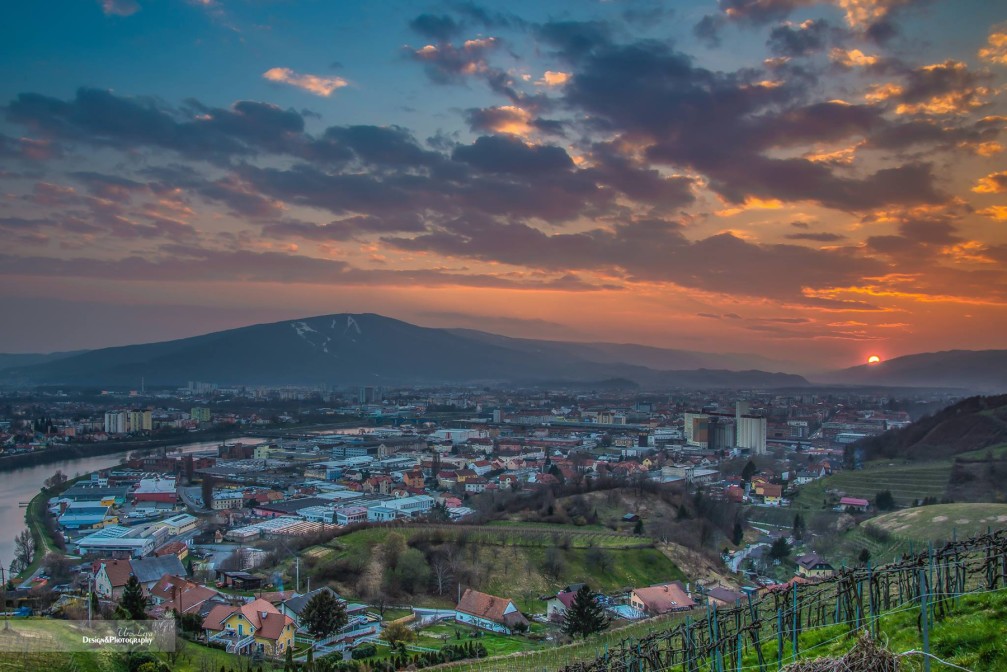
794 634
925 621
779 638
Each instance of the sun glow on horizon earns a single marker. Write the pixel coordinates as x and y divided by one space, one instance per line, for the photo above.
873 359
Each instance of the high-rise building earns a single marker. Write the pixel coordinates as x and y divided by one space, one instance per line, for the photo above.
200 414
751 433
116 422
697 427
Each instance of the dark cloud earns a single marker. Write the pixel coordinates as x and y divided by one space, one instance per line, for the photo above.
639 182
500 154
799 40
181 263
800 225
487 18
376 145
29 149
109 187
448 64
655 251
917 239
818 237
344 229
949 87
710 316
575 39
440 27
707 30
882 31
720 124
102 118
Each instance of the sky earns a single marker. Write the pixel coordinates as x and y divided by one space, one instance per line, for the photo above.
811 181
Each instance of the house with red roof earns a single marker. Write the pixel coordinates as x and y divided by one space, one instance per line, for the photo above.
661 599
854 504
488 612
256 627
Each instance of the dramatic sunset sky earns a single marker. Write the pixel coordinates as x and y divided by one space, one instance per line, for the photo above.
812 181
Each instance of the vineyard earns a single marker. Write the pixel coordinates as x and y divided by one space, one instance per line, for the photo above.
769 628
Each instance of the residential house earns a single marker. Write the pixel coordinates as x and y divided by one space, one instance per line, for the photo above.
294 606
256 627
488 612
110 577
557 605
178 594
814 566
723 597
149 571
350 515
772 495
661 599
413 479
854 504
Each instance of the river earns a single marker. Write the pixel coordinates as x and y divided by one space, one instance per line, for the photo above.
20 485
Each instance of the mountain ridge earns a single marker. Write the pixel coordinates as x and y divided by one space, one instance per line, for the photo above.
976 370
360 348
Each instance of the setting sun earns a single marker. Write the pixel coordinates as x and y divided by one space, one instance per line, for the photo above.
873 359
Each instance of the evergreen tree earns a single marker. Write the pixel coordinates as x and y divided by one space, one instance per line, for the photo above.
780 549
749 471
884 500
133 602
798 527
585 616
738 534
638 528
323 615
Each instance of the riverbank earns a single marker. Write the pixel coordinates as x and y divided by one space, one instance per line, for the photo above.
35 520
70 451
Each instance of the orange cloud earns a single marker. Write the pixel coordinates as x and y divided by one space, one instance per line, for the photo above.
881 92
990 148
995 50
970 251
994 183
751 203
316 84
862 13
844 156
852 58
553 78
997 212
955 101
509 119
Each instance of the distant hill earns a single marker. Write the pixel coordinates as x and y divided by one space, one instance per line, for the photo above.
975 370
364 349
661 359
10 361
973 424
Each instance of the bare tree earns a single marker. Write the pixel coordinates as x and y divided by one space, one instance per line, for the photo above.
442 573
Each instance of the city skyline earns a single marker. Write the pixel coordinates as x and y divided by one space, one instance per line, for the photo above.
817 182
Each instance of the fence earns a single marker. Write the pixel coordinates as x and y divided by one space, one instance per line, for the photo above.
772 624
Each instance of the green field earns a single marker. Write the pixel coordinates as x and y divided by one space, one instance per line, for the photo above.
941 521
509 563
998 452
907 483
971 637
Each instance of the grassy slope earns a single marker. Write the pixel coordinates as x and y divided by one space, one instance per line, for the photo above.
508 569
939 522
971 636
907 482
